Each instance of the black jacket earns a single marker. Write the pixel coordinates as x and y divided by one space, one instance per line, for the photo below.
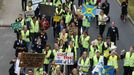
113 33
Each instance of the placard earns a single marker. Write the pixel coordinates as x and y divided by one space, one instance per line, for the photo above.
16 25
32 60
64 58
47 10
56 18
36 1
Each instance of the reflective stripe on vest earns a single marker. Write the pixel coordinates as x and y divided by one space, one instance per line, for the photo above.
86 63
129 61
113 61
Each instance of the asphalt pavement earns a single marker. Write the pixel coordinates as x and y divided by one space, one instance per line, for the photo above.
7 36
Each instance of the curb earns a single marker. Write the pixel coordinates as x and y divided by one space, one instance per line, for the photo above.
128 14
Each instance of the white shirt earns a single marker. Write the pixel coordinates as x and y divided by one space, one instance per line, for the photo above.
98 10
102 19
17 68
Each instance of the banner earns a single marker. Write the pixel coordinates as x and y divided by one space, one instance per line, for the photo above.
32 60
47 10
36 1
16 25
64 58
89 10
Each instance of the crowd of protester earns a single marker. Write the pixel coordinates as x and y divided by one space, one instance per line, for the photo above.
70 35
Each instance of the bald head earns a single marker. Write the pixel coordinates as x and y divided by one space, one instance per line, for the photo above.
113 24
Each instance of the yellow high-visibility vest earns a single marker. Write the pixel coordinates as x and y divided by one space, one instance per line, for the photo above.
113 61
75 39
57 3
25 35
85 67
93 2
68 50
92 51
85 41
36 27
85 23
133 73
38 71
47 60
129 60
68 18
95 60
100 47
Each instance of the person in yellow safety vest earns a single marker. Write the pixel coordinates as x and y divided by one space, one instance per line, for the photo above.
49 3
56 70
106 47
85 23
63 35
47 53
56 48
62 45
26 36
34 28
93 48
100 44
69 4
59 11
84 40
128 61
72 48
57 2
38 71
84 63
96 58
74 38
113 61
93 2
68 16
